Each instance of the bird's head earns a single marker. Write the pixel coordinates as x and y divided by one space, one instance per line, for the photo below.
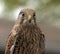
27 16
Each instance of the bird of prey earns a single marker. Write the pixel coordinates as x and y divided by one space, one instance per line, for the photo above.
26 37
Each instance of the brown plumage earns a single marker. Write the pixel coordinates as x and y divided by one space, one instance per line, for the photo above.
26 37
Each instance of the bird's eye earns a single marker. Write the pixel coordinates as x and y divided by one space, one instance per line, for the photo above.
34 15
21 14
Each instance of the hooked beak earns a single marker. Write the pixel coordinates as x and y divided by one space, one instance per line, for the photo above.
29 18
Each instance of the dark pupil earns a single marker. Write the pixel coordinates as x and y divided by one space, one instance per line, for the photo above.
23 14
34 14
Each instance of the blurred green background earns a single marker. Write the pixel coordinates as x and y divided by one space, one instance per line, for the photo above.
48 19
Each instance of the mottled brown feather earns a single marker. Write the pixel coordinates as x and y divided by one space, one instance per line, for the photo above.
26 38
29 40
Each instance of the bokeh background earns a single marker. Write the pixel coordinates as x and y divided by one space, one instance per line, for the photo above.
48 19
